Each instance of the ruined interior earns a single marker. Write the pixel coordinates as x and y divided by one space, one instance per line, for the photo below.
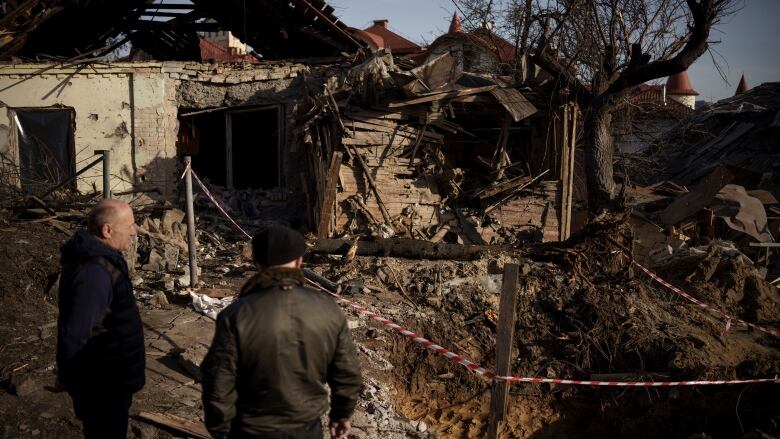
419 182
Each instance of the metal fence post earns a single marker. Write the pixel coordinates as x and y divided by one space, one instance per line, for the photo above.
106 171
191 240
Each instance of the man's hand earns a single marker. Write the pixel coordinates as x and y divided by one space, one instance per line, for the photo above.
340 429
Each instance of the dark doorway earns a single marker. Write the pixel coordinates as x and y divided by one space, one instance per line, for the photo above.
44 141
204 137
237 148
255 148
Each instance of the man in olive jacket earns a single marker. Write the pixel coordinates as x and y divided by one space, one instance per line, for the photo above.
274 350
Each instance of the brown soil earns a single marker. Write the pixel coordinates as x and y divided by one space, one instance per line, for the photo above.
581 313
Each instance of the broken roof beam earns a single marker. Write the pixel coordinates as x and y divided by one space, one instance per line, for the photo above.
514 102
442 96
333 24
170 6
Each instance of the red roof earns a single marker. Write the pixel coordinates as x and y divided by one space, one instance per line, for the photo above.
368 37
743 85
505 50
214 52
679 84
391 40
653 97
645 93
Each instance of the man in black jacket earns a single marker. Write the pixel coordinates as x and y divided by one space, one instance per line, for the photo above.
100 340
274 350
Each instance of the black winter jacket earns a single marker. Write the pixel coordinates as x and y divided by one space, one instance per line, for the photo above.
100 340
273 351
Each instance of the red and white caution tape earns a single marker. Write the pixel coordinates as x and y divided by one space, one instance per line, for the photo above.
476 368
186 168
216 203
699 303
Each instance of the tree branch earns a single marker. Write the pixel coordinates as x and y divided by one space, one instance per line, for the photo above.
640 70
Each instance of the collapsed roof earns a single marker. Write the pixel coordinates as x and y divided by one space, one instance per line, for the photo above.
37 29
740 131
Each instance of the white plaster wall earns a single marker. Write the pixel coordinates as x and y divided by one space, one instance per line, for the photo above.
688 101
107 105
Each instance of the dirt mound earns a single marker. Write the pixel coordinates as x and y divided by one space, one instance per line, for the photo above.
582 313
731 284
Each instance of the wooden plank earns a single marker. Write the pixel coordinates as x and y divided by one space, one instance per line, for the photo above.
372 120
503 186
326 209
514 102
505 339
698 198
515 192
405 248
379 115
379 139
441 96
565 157
191 428
395 130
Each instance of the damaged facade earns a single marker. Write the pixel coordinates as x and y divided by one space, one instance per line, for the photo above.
147 114
336 147
437 151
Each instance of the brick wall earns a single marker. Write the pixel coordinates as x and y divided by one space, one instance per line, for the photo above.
399 190
539 211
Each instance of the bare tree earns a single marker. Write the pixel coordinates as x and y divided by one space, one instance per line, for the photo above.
600 50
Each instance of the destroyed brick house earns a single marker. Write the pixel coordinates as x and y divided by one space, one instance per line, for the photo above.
331 143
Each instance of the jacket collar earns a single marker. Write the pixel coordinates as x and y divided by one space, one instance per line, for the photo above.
273 277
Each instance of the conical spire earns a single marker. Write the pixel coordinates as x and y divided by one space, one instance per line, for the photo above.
743 86
455 25
679 84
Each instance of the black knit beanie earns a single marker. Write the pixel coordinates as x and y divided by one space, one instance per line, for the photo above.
277 245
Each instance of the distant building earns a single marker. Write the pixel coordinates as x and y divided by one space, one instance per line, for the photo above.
479 51
651 111
225 39
379 36
678 88
223 46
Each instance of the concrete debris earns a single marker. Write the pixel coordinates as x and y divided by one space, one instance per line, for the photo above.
158 300
209 306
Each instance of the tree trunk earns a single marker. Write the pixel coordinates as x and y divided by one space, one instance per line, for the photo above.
405 248
599 149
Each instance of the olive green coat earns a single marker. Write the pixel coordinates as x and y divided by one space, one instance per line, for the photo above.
274 349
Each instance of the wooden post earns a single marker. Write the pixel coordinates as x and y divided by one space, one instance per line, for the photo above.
191 240
506 331
564 176
326 209
570 172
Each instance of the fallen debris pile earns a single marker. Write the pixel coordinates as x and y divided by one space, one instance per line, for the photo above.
435 153
582 313
715 176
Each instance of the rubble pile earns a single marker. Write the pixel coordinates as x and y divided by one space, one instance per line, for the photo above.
582 313
713 178
440 154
